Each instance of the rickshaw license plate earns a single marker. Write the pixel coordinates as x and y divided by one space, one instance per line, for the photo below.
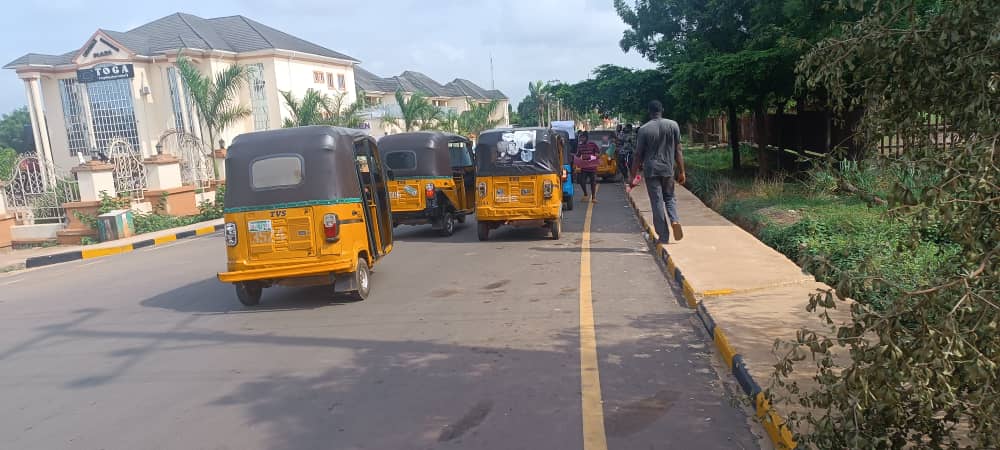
259 226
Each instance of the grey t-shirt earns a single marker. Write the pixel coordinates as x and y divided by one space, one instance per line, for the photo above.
657 143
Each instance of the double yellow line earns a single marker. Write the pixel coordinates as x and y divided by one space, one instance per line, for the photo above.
590 377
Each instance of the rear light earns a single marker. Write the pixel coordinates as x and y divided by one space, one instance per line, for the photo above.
429 190
547 188
231 238
564 175
331 227
482 189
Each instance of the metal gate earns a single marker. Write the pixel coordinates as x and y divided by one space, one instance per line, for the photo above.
197 166
130 172
35 191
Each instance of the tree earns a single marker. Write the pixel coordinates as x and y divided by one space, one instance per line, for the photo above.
417 112
8 157
318 108
539 92
925 372
12 130
478 117
216 99
731 56
527 111
311 109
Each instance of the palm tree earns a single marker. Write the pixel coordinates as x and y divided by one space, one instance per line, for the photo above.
318 108
309 110
417 112
348 116
451 121
539 91
478 117
215 99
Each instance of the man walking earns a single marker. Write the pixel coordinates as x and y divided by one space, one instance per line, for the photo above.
658 154
587 159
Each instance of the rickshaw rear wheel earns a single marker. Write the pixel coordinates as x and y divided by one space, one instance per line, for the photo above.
569 203
484 231
556 228
362 279
448 225
249 292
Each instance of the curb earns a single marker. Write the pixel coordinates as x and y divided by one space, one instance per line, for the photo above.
774 424
40 261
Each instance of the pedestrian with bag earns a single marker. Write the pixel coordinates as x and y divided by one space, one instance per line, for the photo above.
658 156
588 157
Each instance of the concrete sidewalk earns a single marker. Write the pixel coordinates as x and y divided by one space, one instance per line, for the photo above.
747 295
36 257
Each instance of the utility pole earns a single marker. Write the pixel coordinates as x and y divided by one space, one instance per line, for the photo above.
493 83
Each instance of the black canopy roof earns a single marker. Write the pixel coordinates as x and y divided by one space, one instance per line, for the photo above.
328 170
518 151
430 148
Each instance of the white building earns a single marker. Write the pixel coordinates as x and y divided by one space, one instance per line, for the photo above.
123 89
454 96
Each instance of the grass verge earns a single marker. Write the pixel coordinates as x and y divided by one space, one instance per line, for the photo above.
829 233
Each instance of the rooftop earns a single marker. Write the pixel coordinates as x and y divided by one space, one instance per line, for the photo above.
411 81
236 34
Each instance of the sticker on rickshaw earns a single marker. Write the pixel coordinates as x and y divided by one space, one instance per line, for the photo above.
259 226
412 191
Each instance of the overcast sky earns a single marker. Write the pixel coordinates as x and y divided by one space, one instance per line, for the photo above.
445 39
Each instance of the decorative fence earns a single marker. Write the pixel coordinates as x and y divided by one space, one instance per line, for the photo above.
197 166
35 191
130 172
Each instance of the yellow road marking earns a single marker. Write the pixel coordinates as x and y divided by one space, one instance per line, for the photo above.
204 230
590 377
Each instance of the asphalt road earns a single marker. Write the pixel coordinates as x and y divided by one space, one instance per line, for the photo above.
461 345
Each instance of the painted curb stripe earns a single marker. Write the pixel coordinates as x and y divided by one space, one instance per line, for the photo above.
750 387
39 261
706 319
728 353
47 260
772 422
776 427
143 244
108 251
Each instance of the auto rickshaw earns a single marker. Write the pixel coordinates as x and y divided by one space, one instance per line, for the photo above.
518 176
434 179
305 206
607 167
567 186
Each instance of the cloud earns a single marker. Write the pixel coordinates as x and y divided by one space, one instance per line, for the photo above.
445 39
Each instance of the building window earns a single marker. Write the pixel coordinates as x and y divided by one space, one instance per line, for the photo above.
440 103
329 80
258 96
113 114
175 99
318 77
373 100
75 117
341 82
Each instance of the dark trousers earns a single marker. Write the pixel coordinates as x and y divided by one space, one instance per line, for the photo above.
588 178
664 205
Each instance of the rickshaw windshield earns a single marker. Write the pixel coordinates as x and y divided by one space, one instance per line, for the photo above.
295 165
419 154
603 138
520 151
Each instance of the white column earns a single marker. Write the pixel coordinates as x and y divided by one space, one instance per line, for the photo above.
3 202
163 172
39 127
